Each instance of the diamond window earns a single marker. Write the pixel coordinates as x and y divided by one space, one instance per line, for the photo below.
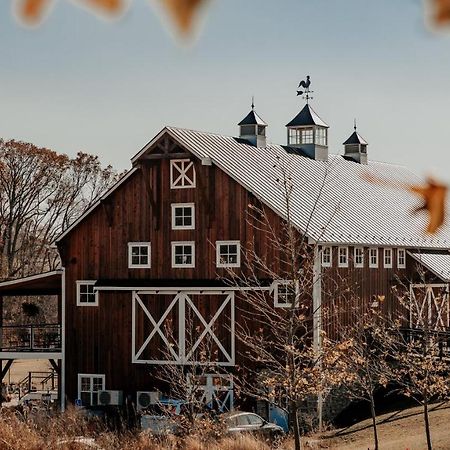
182 174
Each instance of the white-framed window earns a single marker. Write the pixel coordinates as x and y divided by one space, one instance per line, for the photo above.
89 386
343 257
285 293
327 257
387 258
86 295
139 255
228 254
183 216
182 174
373 258
359 257
401 258
183 254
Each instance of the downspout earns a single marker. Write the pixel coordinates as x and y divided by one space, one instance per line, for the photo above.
63 341
317 317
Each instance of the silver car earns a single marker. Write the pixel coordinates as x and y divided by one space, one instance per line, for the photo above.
245 422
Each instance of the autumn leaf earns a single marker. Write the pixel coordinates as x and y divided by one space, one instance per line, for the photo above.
32 11
183 12
433 194
442 12
107 6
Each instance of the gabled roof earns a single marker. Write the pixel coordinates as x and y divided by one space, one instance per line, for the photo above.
437 263
307 116
355 138
331 201
252 118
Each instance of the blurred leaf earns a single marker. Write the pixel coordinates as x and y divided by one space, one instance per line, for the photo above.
442 12
32 11
183 12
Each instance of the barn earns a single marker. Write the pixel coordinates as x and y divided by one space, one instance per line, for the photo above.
158 248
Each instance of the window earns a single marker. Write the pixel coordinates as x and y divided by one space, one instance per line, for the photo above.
228 254
183 216
86 295
359 257
89 385
388 258
139 255
326 257
321 136
307 136
183 254
343 257
373 258
285 293
182 174
401 258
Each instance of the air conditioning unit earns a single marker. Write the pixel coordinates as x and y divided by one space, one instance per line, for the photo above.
145 399
110 398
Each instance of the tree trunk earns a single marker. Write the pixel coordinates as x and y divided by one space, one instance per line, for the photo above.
297 437
427 425
374 422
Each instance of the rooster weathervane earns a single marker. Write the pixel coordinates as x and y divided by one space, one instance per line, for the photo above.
303 89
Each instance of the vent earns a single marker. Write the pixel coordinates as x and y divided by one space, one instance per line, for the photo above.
110 398
145 399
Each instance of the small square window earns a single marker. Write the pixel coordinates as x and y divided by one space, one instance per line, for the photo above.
139 255
359 257
86 295
89 385
388 258
401 258
182 174
343 257
183 216
373 258
285 293
183 254
326 257
228 254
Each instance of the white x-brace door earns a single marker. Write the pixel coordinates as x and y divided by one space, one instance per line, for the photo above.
184 349
215 390
429 306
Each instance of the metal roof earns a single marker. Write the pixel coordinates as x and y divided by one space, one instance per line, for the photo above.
437 263
331 200
307 116
355 138
252 118
49 283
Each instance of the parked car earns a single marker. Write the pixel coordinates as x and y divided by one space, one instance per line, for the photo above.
245 422
160 418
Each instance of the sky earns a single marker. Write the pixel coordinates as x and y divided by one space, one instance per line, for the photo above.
107 87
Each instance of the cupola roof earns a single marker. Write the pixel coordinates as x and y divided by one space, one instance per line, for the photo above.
307 117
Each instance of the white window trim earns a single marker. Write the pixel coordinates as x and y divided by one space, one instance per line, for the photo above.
139 266
88 282
327 264
274 290
385 265
373 265
401 265
90 375
227 265
181 174
183 205
361 264
339 257
183 266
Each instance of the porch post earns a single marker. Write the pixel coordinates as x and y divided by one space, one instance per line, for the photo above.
62 319
317 317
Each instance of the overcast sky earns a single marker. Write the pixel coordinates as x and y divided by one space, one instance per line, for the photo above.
80 83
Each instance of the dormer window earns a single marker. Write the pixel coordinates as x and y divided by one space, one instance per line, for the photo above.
182 174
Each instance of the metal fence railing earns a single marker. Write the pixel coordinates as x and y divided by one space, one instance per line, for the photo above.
30 338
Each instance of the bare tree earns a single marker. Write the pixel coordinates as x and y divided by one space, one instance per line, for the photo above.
41 193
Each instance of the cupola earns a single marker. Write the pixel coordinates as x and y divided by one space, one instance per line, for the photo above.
355 148
253 129
310 133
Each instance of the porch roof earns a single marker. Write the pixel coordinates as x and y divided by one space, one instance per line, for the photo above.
48 283
436 262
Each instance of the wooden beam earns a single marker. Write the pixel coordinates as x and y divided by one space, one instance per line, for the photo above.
6 368
55 366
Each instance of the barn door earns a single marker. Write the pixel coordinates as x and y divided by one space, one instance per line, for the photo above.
214 390
429 307
183 327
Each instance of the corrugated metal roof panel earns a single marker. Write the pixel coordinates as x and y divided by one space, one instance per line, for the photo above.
331 201
438 263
